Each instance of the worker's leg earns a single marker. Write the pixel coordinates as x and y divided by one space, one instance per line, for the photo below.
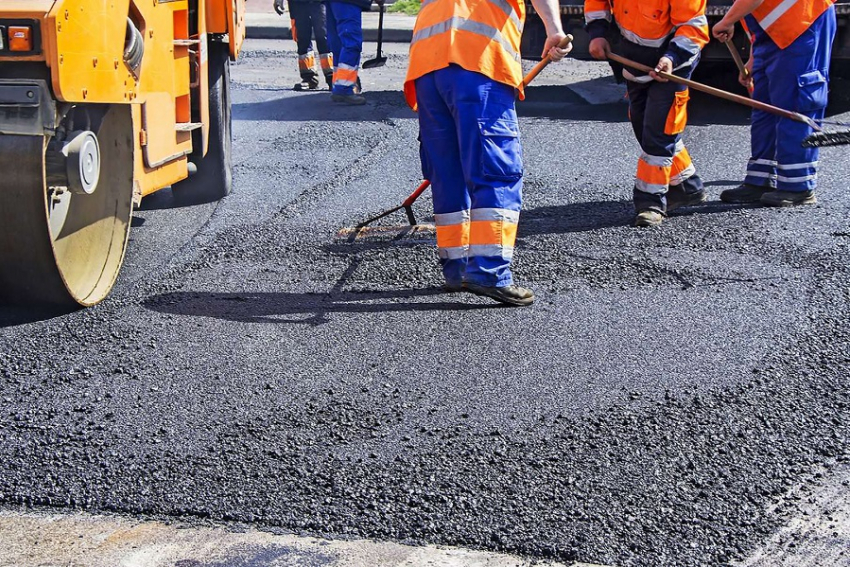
320 30
488 136
302 33
441 165
761 167
349 28
800 82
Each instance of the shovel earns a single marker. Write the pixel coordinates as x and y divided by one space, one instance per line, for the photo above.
378 61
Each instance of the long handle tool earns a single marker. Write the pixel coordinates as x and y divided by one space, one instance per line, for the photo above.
818 139
350 234
736 56
378 61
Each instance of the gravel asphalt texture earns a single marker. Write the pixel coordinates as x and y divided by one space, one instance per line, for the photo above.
665 391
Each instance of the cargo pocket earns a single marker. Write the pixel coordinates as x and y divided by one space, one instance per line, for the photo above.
812 92
677 118
501 152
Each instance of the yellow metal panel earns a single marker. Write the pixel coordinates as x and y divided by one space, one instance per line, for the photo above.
227 16
88 51
151 180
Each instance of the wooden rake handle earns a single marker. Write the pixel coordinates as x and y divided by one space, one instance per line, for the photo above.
796 116
543 62
736 56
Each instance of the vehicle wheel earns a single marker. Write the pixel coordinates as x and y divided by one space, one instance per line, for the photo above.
62 242
214 178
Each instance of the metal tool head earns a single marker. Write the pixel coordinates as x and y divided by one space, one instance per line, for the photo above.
823 139
376 62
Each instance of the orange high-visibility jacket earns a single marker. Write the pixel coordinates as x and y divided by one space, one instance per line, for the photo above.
786 20
479 35
651 23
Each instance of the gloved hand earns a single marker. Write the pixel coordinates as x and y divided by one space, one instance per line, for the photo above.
279 7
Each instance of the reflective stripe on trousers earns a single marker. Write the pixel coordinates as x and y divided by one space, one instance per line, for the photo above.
471 153
345 36
795 78
664 160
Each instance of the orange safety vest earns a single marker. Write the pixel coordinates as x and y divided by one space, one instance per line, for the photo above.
479 35
650 23
786 20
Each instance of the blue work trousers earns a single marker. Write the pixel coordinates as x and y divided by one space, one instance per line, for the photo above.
471 153
345 37
795 78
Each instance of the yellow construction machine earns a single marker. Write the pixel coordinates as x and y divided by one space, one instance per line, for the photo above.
101 103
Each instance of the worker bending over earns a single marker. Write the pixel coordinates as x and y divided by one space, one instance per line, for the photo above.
789 68
463 77
667 35
345 35
308 19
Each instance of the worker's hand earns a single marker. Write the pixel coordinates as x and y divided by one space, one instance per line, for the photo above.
279 7
723 30
600 48
747 79
665 65
551 48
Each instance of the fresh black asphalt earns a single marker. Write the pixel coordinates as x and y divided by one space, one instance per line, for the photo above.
666 389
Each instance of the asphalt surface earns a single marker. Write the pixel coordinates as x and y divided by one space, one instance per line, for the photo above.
666 389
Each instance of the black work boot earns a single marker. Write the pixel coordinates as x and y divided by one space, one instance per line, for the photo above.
310 83
788 198
677 198
744 193
352 99
509 295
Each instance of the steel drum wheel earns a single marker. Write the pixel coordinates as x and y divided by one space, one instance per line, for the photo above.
59 247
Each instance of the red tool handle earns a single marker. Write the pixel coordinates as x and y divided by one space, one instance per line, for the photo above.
415 195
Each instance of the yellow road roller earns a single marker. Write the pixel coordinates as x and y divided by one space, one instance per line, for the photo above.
101 103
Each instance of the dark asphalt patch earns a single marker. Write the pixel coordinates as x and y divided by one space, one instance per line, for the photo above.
650 409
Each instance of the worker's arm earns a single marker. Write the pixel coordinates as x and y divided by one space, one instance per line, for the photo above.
691 25
597 17
725 28
549 12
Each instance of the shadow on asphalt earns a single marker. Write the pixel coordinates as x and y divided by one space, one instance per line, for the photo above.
302 308
14 315
596 215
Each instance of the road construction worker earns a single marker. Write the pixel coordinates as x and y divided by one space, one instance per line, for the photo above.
345 34
308 20
789 68
667 35
463 76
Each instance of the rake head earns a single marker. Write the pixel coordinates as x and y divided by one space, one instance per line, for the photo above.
823 139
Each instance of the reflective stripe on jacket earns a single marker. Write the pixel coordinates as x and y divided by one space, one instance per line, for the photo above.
785 20
652 23
479 35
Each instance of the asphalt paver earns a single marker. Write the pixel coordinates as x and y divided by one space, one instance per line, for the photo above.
665 391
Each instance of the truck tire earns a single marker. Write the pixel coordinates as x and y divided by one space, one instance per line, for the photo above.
213 179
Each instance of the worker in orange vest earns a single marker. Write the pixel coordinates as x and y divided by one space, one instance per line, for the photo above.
789 67
667 35
463 76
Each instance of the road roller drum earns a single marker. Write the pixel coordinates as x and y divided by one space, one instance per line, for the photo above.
92 123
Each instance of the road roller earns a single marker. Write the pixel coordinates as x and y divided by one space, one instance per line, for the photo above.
103 102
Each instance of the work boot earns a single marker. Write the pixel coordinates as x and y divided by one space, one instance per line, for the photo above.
352 99
649 217
788 198
307 84
676 199
509 295
452 287
744 193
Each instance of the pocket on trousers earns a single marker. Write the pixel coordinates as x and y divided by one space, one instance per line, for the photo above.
677 118
812 91
501 152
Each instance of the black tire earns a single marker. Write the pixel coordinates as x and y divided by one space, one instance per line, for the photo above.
214 178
